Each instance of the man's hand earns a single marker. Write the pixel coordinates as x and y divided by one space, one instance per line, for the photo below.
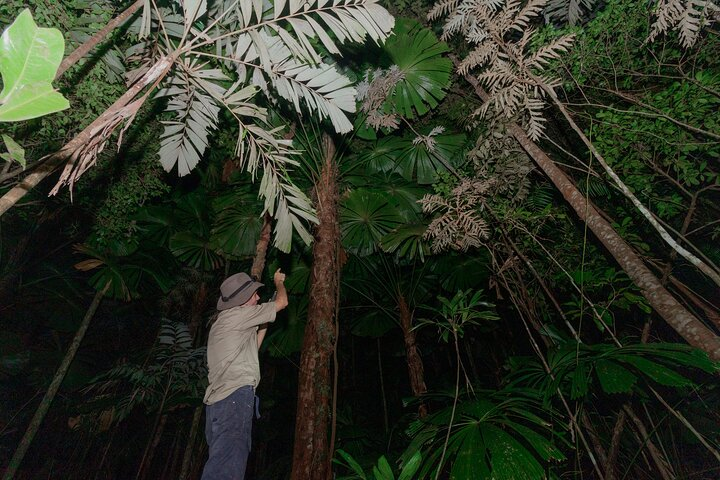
281 298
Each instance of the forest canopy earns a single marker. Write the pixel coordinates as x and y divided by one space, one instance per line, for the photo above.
499 220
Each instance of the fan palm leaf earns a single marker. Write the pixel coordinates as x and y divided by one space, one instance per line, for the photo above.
426 72
365 218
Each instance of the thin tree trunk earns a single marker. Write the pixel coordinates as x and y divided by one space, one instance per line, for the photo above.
382 386
261 248
416 370
663 467
189 450
311 451
611 463
152 447
93 41
54 386
675 314
153 75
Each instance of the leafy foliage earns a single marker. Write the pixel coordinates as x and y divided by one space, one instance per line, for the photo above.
504 435
175 376
29 58
575 368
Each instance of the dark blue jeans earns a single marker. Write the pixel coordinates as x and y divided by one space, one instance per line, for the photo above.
228 429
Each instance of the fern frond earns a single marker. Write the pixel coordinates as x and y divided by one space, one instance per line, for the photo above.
531 10
552 51
442 9
686 16
571 12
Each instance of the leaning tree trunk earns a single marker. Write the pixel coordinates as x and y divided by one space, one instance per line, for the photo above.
54 386
95 40
414 361
311 450
121 109
662 301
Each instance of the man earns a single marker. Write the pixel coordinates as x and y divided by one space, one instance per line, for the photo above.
234 372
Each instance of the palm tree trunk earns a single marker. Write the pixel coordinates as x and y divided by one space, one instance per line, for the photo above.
311 451
54 386
414 361
675 314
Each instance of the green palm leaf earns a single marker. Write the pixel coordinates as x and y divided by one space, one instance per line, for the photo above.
366 217
419 55
238 222
495 435
407 242
195 251
423 164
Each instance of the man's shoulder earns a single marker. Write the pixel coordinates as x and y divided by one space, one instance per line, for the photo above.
246 311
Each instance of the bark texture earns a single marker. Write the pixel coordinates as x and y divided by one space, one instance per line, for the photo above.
660 299
414 361
311 450
261 248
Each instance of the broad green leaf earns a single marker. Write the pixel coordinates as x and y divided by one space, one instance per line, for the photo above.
352 463
15 152
659 373
383 471
419 162
510 460
614 378
286 338
407 242
375 323
29 59
410 467
194 251
579 382
470 459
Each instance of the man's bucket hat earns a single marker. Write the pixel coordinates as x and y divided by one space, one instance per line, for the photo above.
236 290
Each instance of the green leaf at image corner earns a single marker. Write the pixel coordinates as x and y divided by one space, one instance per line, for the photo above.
29 59
14 151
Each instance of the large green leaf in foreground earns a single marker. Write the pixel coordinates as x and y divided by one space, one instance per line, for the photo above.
29 58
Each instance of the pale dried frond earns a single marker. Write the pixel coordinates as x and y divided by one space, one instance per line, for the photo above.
460 225
429 139
552 51
687 17
570 12
373 91
531 10
442 8
185 138
511 72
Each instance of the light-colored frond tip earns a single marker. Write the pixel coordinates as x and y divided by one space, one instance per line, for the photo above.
687 17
